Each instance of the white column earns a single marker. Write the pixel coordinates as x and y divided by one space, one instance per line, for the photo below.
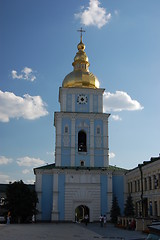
55 213
109 194
91 142
64 101
58 141
73 145
100 106
38 188
105 142
73 102
91 103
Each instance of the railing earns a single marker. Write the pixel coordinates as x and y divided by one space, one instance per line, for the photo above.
131 223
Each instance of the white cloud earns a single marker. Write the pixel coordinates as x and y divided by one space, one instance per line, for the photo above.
26 171
29 162
51 153
4 160
116 12
26 74
27 107
120 101
30 181
94 15
4 178
112 155
116 117
15 75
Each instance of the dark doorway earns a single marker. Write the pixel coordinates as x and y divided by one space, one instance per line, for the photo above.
82 142
80 213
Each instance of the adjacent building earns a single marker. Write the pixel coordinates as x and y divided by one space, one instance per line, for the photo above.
144 186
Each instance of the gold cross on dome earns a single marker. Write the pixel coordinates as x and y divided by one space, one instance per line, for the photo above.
81 31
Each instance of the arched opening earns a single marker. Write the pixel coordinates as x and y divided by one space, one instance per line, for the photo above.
82 141
81 212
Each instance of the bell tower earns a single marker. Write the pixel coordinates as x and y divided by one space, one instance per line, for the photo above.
81 126
81 178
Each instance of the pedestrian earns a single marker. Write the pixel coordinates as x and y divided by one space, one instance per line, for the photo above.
86 219
101 220
104 220
8 217
33 218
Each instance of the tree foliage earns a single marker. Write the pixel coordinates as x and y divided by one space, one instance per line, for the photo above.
115 210
129 207
20 201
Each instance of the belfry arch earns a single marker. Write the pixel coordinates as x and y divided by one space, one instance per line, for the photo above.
82 141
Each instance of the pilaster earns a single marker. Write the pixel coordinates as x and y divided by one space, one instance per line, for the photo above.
38 188
109 194
58 140
91 142
55 213
73 142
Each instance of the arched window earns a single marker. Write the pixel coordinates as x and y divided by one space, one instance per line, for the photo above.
98 130
82 163
82 141
66 129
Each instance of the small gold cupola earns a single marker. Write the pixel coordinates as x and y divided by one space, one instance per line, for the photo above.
81 76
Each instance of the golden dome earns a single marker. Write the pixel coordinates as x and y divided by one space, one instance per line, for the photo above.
80 76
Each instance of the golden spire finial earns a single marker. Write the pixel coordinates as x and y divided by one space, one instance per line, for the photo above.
81 30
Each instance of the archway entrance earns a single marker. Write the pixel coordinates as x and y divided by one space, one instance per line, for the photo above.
80 212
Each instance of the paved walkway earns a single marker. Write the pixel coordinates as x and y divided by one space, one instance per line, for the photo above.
61 231
111 232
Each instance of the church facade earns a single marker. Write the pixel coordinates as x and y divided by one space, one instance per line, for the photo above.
81 181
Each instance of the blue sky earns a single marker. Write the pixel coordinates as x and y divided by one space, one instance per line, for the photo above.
38 42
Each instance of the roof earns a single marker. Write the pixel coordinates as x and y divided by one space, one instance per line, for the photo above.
52 166
152 159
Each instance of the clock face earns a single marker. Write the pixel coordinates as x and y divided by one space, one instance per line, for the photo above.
82 99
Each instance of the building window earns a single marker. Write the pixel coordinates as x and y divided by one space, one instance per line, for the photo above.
155 182
98 130
145 184
150 208
82 141
138 185
159 180
82 163
135 185
155 209
66 129
131 186
150 183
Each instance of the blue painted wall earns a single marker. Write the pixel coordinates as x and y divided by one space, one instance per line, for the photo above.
69 103
118 191
104 202
98 159
95 103
61 196
47 196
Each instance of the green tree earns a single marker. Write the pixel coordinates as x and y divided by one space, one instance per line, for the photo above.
129 207
115 210
20 201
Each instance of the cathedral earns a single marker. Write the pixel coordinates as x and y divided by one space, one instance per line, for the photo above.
81 181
